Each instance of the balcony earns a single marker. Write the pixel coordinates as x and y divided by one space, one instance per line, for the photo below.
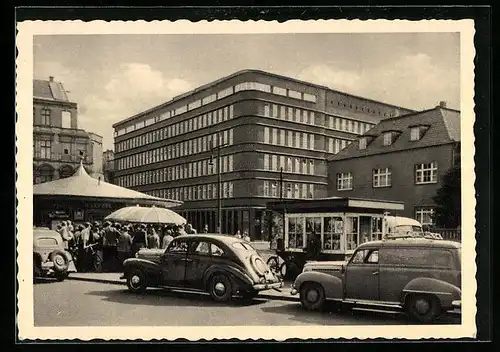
73 132
62 158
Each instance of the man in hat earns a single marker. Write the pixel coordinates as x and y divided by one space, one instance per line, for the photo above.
124 245
110 241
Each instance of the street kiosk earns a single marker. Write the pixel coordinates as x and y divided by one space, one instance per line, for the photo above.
340 224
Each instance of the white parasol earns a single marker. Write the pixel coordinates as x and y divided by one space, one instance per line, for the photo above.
147 215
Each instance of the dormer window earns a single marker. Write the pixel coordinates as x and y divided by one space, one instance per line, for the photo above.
362 143
415 133
387 138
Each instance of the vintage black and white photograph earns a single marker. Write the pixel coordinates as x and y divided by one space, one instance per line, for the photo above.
280 180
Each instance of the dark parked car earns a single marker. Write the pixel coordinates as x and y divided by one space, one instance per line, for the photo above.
421 276
50 259
221 265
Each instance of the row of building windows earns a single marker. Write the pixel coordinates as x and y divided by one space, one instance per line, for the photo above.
291 114
424 174
198 192
217 96
198 168
273 162
364 109
335 145
42 149
177 150
206 120
287 138
291 190
346 125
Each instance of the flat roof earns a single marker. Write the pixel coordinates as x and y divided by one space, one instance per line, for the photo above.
325 204
238 73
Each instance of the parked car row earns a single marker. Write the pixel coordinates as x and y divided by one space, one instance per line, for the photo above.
421 276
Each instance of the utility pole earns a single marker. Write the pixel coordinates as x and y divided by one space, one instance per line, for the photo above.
219 196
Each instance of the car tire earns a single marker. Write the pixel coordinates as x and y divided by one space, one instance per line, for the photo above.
423 308
136 281
220 288
312 296
60 261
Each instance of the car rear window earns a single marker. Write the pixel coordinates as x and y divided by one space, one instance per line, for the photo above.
423 257
243 246
46 242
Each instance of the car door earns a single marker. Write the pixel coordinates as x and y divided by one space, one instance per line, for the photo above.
362 275
199 259
173 263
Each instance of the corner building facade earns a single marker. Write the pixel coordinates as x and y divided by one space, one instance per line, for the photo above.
261 122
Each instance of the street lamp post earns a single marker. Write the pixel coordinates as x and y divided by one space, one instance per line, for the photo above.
219 197
283 202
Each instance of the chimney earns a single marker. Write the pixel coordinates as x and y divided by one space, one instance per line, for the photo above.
51 78
442 104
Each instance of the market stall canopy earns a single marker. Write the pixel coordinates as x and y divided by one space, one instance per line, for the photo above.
147 215
81 185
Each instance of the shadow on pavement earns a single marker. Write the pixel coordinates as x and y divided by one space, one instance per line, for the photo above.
165 298
347 316
44 280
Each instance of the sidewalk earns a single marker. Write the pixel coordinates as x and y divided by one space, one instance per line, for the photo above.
114 278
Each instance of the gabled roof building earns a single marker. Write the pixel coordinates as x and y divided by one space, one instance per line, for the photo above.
401 158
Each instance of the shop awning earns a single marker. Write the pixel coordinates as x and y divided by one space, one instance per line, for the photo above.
82 185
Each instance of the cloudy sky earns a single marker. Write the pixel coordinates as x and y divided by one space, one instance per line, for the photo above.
112 77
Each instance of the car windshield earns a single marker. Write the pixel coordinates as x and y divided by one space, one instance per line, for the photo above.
243 246
408 228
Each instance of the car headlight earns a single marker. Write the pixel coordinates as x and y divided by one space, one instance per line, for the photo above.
137 255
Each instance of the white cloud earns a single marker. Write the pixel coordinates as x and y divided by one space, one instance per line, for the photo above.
413 81
333 78
133 88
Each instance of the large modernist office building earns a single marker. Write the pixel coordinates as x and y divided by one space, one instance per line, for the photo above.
260 123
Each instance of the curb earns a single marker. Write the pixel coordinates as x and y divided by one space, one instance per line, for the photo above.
116 282
102 281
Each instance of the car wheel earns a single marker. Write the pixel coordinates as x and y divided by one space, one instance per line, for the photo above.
423 308
220 288
60 261
136 281
312 296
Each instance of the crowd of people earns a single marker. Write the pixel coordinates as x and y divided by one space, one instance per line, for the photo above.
115 242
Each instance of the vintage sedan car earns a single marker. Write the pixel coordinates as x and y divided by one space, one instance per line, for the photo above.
50 259
221 265
421 276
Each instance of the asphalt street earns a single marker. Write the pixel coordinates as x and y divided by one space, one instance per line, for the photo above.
79 303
